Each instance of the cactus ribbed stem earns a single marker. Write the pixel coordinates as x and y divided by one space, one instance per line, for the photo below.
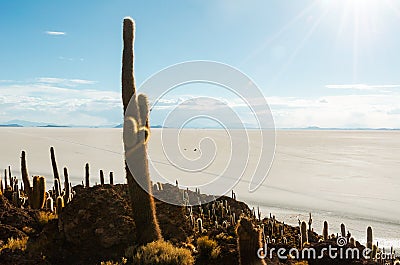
143 206
25 176
249 241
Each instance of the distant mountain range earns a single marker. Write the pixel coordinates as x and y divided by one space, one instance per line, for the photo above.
23 123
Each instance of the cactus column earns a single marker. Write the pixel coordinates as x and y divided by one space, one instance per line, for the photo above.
25 177
142 201
249 241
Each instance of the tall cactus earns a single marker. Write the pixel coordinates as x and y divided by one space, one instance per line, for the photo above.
325 231
55 170
137 128
25 176
249 241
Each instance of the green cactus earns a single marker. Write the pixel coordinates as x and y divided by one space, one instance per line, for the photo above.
38 192
303 233
325 231
137 128
87 184
248 242
369 237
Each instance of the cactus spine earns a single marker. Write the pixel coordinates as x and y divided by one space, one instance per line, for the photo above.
325 231
143 206
87 184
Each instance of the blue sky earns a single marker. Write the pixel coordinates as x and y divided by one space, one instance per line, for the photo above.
327 63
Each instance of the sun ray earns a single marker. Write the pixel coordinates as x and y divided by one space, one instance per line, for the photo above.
272 38
298 47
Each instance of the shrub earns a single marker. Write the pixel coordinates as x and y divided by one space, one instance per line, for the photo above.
45 217
162 253
14 244
208 248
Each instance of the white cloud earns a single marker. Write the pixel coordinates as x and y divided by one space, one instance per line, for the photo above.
362 86
50 100
55 33
64 81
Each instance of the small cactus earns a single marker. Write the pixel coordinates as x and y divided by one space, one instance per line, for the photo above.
101 177
38 192
67 196
325 231
200 225
87 184
50 204
343 230
369 237
60 204
111 178
303 233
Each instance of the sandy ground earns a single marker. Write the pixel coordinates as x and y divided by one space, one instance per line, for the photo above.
341 176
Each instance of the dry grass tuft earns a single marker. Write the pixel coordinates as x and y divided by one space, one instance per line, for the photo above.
162 253
15 244
208 248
